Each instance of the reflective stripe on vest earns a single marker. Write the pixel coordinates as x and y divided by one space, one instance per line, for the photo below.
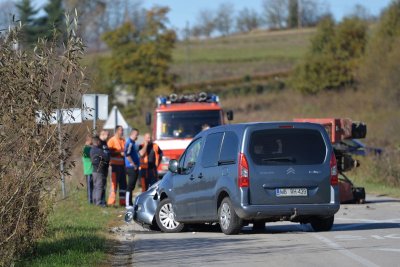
117 161
144 161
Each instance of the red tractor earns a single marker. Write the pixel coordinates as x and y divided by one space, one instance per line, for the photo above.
339 131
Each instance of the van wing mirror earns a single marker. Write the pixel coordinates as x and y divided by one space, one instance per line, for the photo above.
229 115
148 118
173 166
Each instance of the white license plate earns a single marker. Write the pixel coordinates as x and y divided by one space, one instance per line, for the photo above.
291 192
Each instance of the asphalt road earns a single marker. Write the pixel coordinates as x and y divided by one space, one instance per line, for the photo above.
363 235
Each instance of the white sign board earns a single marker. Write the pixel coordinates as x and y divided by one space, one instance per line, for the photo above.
72 115
89 106
115 118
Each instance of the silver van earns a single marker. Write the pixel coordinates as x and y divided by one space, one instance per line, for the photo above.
247 173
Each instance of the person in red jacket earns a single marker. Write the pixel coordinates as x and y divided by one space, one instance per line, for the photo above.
116 145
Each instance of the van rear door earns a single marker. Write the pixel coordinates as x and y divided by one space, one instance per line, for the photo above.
288 164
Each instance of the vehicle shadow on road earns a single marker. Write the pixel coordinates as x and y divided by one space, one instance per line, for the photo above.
374 201
338 227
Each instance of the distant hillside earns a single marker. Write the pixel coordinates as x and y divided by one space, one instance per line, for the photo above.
239 55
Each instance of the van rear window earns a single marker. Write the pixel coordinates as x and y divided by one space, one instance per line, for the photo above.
287 147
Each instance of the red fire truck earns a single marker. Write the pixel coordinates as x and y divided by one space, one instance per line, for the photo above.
178 118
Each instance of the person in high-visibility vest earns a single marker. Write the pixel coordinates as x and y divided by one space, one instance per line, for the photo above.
116 145
150 157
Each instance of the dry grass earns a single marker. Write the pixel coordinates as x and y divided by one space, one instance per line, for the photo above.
288 104
239 55
379 175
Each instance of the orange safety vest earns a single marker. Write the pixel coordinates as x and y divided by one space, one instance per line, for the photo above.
116 146
144 161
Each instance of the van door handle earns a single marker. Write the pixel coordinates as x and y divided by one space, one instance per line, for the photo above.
191 177
200 176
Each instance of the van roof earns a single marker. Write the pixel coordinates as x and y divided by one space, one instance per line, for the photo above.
240 127
270 123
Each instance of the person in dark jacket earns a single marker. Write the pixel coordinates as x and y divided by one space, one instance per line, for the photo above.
100 161
132 163
104 134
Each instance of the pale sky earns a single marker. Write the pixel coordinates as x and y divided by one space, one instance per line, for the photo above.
183 11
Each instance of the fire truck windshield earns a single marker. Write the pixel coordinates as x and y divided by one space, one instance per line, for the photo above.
185 124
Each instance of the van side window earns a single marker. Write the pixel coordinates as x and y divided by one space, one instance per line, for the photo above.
229 151
211 150
190 158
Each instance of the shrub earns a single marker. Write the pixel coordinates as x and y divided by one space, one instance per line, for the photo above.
333 57
44 79
381 65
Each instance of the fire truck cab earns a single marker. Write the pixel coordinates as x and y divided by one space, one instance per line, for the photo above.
178 118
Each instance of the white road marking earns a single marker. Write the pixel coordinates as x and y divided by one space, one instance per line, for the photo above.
388 249
344 251
349 237
394 236
377 237
396 220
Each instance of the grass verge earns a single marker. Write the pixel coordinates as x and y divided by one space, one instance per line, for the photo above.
379 189
76 235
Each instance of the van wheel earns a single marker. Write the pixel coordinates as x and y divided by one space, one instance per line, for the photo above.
229 222
322 224
165 218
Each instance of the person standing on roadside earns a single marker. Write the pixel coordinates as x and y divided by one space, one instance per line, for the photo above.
103 145
116 144
100 162
150 157
88 168
132 163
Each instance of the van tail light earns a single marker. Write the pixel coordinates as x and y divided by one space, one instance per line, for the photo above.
243 177
334 170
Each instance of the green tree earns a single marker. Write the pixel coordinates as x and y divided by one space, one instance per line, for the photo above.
380 70
54 17
333 57
293 17
27 14
142 58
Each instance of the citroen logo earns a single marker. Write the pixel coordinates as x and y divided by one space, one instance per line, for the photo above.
290 171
